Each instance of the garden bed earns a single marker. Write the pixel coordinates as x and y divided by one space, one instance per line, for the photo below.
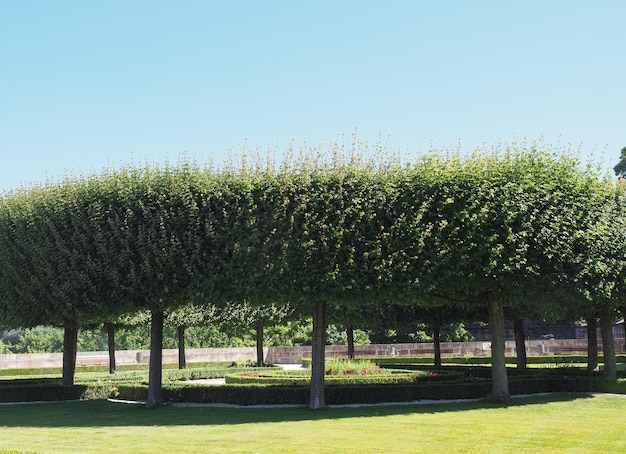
347 383
385 377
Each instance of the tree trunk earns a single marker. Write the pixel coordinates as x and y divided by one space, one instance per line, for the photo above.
592 344
155 385
623 311
520 343
70 346
608 343
259 346
317 394
499 378
350 336
437 344
111 342
182 358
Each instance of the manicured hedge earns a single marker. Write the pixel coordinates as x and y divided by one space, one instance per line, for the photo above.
223 365
369 394
473 388
547 359
238 394
130 375
53 392
390 377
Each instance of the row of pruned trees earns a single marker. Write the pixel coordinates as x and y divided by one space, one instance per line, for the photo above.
523 229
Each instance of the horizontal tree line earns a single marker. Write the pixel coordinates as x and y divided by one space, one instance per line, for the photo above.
524 229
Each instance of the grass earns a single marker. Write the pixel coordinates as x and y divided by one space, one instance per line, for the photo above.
555 423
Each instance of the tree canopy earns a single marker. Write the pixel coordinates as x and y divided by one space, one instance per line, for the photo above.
496 228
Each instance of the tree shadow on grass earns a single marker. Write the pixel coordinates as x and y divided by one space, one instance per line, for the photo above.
108 414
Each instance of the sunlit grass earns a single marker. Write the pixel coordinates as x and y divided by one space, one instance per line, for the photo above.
558 423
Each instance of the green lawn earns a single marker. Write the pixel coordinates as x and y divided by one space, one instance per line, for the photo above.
557 423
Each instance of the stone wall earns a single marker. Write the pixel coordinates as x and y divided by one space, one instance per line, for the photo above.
289 355
294 355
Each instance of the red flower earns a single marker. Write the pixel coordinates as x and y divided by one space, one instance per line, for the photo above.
250 374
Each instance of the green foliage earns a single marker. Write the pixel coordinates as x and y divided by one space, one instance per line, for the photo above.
417 333
39 339
218 369
200 337
338 336
52 392
352 367
620 167
353 231
46 339
293 333
343 372
456 332
258 394
50 340
433 236
286 387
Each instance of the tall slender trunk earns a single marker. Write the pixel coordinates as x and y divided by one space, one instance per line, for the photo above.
520 343
259 345
623 312
608 342
317 398
70 346
155 385
499 378
437 344
592 344
182 357
350 337
111 344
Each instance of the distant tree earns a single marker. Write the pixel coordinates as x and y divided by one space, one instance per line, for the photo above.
186 316
40 339
111 327
237 317
620 167
353 317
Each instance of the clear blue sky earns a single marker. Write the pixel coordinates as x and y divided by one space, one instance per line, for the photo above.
90 84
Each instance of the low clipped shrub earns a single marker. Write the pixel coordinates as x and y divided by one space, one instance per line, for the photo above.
260 394
127 368
238 394
450 382
213 372
478 360
53 392
345 373
131 383
132 391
